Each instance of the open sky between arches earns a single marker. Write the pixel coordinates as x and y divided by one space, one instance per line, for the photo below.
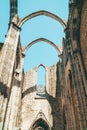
41 26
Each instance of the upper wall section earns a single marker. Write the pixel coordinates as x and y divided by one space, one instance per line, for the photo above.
30 80
51 79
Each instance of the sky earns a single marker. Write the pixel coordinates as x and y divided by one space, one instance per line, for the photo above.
38 27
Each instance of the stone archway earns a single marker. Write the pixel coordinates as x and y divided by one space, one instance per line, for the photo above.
12 41
58 48
42 66
42 12
40 124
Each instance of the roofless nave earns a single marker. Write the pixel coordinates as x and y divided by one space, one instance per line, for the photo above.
62 103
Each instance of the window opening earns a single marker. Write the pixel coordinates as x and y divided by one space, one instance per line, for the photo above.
41 81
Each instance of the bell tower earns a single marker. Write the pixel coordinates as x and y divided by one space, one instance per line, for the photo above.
13 8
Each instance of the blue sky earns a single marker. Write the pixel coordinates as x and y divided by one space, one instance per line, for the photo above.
41 26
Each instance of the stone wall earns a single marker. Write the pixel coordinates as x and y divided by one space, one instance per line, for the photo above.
64 107
33 105
83 34
76 83
69 108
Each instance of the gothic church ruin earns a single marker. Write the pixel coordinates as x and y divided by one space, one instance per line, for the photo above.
62 103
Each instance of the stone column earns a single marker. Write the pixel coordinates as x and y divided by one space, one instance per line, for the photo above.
12 108
2 112
9 52
7 64
13 8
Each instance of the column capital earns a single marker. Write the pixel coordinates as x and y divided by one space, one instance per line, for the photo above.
14 25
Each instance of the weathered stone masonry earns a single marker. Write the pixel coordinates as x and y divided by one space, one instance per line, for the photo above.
64 105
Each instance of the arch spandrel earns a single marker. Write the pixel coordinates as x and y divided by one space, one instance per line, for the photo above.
42 12
58 48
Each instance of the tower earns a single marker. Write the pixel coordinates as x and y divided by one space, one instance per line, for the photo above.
13 8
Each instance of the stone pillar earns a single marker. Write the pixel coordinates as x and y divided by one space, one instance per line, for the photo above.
12 109
13 105
13 8
8 56
2 112
7 64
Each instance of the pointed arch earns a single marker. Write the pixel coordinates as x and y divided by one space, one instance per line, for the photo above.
42 12
42 66
58 48
40 121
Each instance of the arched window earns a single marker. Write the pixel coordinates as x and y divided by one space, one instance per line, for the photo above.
41 80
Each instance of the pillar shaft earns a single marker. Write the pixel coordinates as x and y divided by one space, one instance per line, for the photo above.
13 8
